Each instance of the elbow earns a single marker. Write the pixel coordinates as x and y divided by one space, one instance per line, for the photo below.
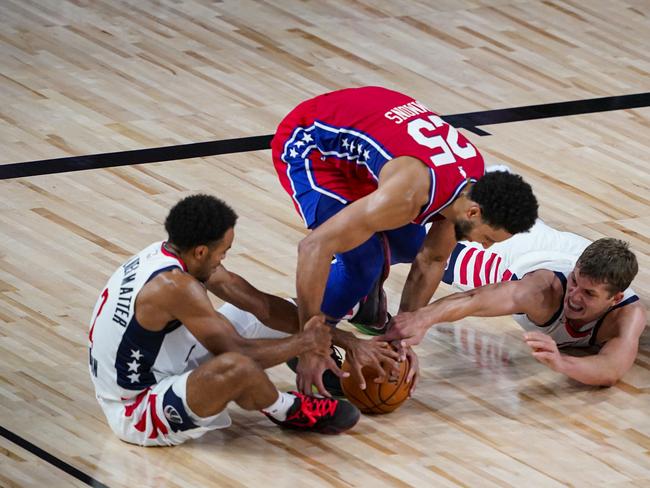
426 260
609 380
307 245
311 247
604 381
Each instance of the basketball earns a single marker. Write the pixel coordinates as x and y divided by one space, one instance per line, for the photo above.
377 398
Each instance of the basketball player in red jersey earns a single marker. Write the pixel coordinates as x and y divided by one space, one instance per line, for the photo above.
366 169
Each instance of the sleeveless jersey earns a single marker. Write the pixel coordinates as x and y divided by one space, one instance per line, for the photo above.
542 247
124 357
563 332
337 143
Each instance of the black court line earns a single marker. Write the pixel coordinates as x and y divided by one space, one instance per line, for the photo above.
469 121
53 460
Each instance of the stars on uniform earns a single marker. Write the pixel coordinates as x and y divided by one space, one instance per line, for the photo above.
298 144
354 148
134 365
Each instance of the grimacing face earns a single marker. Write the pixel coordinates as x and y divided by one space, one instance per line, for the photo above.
585 299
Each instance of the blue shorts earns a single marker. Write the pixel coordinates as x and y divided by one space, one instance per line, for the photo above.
353 273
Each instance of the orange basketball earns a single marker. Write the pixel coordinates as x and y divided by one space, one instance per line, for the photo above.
377 398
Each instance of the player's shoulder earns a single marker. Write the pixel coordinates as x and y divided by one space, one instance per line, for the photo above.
171 282
542 277
628 320
541 284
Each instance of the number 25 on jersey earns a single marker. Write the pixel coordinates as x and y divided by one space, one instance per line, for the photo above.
449 147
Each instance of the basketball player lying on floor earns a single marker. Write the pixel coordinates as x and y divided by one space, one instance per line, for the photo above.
165 364
558 303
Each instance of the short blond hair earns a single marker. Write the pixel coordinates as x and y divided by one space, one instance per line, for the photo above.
609 261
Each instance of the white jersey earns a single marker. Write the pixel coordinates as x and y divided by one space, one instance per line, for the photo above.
125 358
543 247
563 332
140 376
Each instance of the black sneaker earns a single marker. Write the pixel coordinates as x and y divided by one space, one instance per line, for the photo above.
331 382
372 318
322 415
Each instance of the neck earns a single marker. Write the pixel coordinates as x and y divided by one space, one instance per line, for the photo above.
453 211
170 247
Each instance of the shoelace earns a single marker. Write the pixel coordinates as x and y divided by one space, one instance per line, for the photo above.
315 408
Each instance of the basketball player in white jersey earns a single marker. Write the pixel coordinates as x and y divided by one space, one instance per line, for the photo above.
165 364
559 304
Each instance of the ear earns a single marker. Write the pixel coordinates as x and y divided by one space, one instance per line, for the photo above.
473 211
618 297
200 251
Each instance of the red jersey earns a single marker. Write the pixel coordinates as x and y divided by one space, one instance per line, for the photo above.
337 143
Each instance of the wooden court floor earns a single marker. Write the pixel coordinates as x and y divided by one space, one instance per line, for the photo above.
81 77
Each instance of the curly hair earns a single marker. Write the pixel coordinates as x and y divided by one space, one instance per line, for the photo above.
609 261
506 201
198 219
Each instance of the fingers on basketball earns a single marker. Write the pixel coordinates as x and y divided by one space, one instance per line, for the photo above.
377 398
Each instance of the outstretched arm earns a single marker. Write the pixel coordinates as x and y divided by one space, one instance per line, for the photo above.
622 329
273 311
533 295
428 266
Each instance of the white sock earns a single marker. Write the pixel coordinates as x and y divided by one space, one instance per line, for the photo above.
279 409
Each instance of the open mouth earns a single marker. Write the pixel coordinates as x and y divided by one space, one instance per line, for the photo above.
573 307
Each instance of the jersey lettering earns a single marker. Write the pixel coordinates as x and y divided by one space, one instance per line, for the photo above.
448 148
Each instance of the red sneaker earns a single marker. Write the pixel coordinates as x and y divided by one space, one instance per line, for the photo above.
322 415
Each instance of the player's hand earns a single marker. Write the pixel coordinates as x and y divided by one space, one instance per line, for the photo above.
310 369
317 336
377 356
406 327
406 352
413 375
544 349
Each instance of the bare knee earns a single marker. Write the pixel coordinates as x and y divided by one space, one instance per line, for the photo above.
224 378
236 367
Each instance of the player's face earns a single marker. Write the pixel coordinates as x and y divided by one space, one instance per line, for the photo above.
212 256
479 231
586 299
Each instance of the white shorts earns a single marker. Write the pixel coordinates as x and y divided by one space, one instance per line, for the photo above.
159 415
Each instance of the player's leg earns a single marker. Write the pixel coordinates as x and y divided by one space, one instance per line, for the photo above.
353 273
400 246
235 377
247 325
225 378
405 242
351 277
